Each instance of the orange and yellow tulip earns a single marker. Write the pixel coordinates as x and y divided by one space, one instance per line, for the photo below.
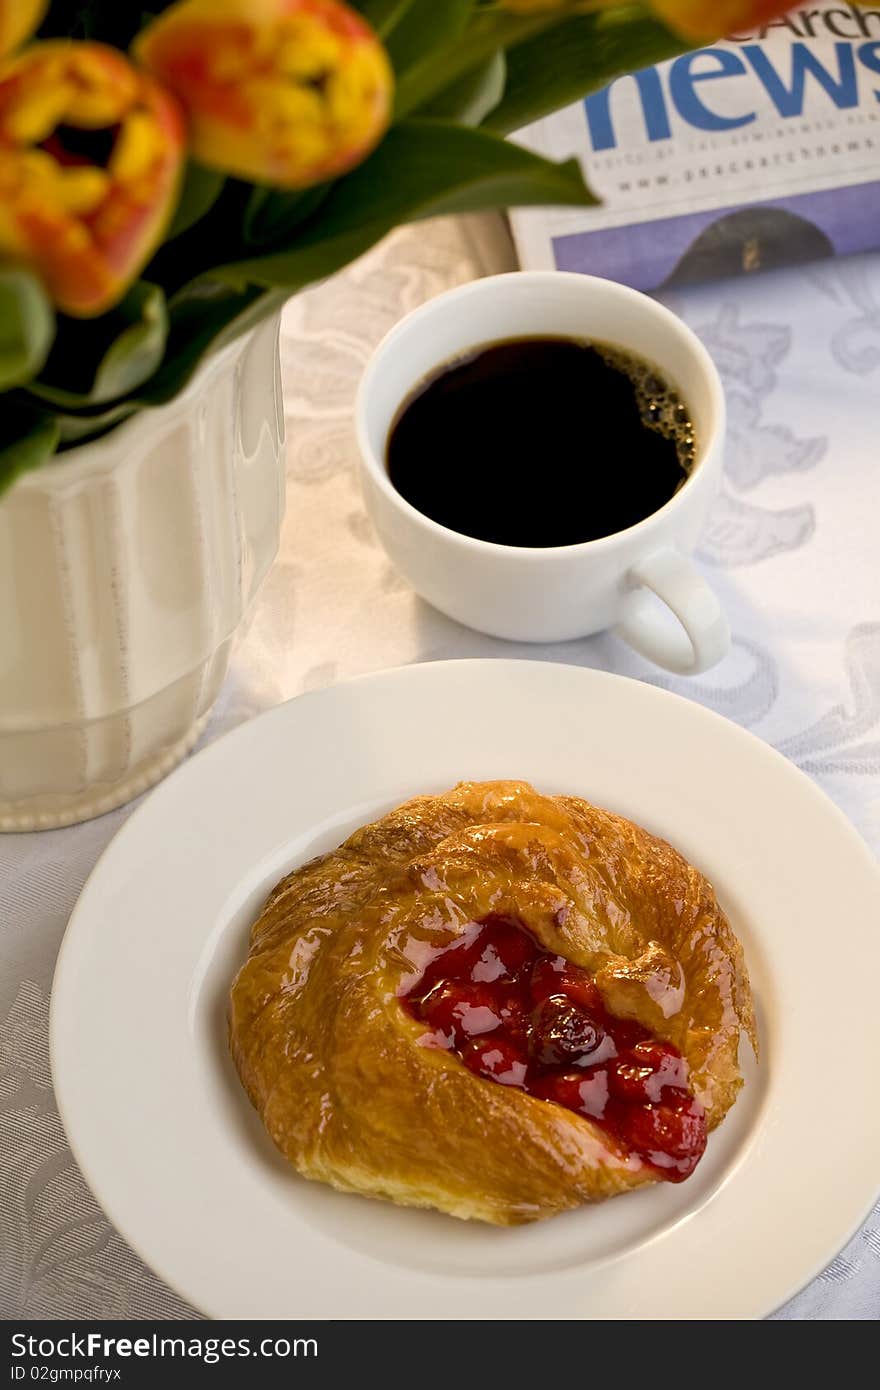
693 19
290 92
696 19
18 20
91 152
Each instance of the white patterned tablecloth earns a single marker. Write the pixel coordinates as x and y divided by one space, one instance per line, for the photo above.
793 548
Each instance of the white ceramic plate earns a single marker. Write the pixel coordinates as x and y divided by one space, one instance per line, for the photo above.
180 1163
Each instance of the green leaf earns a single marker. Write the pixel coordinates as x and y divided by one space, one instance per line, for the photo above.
578 56
422 168
81 427
98 360
27 326
271 216
472 97
205 316
28 439
425 25
383 14
489 32
200 191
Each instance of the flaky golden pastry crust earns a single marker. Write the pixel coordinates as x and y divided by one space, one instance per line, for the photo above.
333 1064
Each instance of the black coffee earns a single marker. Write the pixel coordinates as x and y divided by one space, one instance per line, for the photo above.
541 442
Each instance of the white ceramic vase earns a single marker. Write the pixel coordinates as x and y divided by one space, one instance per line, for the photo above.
127 568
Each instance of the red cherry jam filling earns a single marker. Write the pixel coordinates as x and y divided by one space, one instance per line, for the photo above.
521 1017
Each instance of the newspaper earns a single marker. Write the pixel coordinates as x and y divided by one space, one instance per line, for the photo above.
759 151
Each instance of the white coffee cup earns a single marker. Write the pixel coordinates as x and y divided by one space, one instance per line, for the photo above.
557 593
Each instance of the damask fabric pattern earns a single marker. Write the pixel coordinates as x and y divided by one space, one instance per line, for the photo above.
791 548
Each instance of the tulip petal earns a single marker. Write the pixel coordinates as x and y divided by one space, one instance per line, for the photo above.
18 20
289 92
697 20
91 153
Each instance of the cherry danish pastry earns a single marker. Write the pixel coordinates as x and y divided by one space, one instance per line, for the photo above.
495 1003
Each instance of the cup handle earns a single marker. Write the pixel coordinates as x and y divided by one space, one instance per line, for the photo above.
704 634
